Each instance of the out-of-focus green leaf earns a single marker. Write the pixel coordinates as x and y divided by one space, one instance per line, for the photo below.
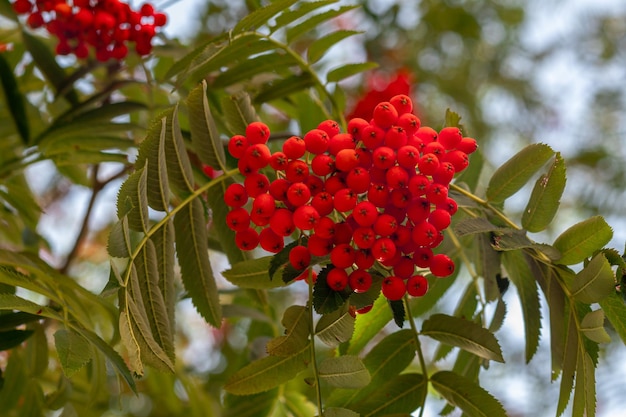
238 112
284 87
271 62
260 404
267 373
313 22
592 326
517 171
615 311
219 210
193 256
569 364
252 274
296 322
594 282
261 16
472 399
399 396
12 338
348 70
291 15
73 349
521 275
464 334
453 119
119 244
318 48
335 328
344 372
103 112
14 100
581 240
584 403
339 412
545 198
9 321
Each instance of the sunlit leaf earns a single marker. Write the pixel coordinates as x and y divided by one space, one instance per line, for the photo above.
348 70
290 15
369 325
252 274
545 198
520 273
314 21
73 349
296 322
582 239
594 282
14 100
459 391
335 328
318 48
517 171
615 311
260 16
464 334
14 302
344 372
238 112
129 340
267 373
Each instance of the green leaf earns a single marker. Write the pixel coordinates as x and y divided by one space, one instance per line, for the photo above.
298 404
179 168
219 229
517 171
546 197
592 326
466 395
325 299
44 59
148 277
470 226
291 15
344 372
252 274
521 275
267 373
73 349
280 259
118 244
585 391
204 135
284 87
399 313
464 334
348 70
14 302
582 239
9 321
133 350
255 405
193 256
314 22
238 112
296 322
12 338
369 325
103 111
335 328
318 48
569 364
615 311
453 119
261 16
339 412
152 152
403 394
132 201
594 282
164 243
14 100
274 62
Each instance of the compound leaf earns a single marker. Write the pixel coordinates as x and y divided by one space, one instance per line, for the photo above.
546 197
466 395
344 372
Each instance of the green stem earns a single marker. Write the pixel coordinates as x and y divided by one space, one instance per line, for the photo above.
318 389
485 204
418 347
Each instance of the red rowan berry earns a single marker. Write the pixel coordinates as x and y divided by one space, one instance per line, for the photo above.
296 171
372 136
247 239
440 218
393 288
400 199
318 246
322 164
385 114
467 145
304 276
345 200
365 309
271 241
417 286
315 184
426 134
360 280
428 164
378 175
238 219
404 267
339 142
365 213
342 256
331 127
346 159
343 233
146 9
437 241
408 156
365 157
305 217
383 249
401 236
418 210
278 189
258 155
35 20
418 185
402 103
316 141
323 203
383 157
358 179
437 193
395 137
325 228
294 147
458 159
264 205
444 173
257 132
22 6
337 279
356 127
423 233
299 257
385 225
281 222
409 122
441 265
298 194
364 259
397 177
422 257
379 195
449 205
235 195
278 161
450 137
259 219
434 148
364 237
256 184
160 19
244 167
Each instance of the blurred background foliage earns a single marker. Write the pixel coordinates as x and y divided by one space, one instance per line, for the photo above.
517 72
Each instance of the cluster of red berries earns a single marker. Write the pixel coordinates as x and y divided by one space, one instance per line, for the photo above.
377 193
106 26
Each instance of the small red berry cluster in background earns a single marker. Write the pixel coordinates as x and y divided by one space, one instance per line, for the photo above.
377 193
381 87
106 26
